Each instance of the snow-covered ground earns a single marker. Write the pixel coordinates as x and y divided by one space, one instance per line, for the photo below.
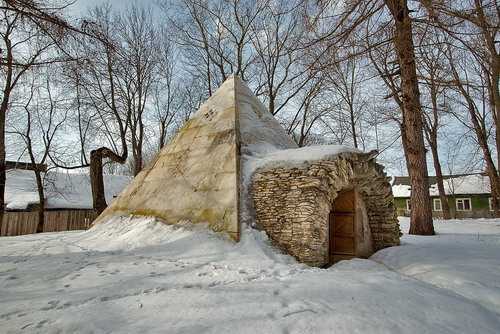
143 276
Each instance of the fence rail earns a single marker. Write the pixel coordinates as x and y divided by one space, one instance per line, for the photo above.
18 223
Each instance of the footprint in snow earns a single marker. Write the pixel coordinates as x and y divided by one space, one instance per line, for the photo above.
27 325
42 323
75 277
155 274
214 284
294 308
52 305
63 306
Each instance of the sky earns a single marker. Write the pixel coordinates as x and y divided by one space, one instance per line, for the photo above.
80 7
392 158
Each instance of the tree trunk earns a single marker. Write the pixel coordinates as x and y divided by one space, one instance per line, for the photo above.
431 132
97 181
3 113
440 182
41 202
404 142
2 168
495 102
271 103
161 139
353 126
2 160
493 176
96 175
491 170
137 163
488 35
136 150
421 212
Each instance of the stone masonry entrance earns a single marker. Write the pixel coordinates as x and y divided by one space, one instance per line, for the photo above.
327 210
342 230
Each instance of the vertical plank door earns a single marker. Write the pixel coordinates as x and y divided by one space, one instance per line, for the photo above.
342 232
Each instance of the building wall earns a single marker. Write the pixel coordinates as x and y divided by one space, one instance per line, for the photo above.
292 204
480 207
25 222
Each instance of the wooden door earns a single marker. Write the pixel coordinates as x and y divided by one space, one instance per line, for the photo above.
342 227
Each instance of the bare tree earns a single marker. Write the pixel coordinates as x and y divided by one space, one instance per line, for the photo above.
309 112
477 113
345 79
44 115
167 89
475 25
346 21
138 56
412 125
96 83
434 75
25 44
217 33
277 36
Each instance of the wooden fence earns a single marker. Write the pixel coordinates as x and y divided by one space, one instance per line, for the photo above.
18 223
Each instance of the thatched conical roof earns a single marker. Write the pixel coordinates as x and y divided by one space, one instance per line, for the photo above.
196 177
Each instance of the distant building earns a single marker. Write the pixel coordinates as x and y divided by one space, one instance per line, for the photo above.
469 195
68 199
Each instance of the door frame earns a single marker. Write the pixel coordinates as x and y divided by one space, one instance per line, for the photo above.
331 224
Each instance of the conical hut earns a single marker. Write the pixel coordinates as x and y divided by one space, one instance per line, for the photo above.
233 163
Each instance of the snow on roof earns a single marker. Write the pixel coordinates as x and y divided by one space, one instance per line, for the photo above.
259 131
292 157
461 185
62 190
298 156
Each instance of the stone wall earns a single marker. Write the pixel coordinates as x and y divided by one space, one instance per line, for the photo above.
364 242
292 204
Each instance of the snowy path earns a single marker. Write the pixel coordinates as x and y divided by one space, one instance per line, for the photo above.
146 277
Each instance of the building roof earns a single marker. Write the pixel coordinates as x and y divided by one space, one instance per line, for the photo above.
62 190
466 184
405 180
196 176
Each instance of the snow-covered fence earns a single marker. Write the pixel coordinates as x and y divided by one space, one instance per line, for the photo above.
18 223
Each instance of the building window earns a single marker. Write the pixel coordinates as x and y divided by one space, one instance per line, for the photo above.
463 204
437 204
408 205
